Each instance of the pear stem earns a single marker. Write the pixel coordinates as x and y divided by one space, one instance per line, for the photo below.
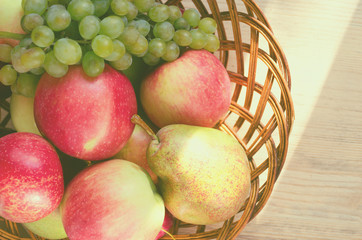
136 119
16 36
163 230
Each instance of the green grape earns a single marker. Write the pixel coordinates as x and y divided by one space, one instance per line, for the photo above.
175 13
53 67
102 45
212 43
62 2
111 26
67 51
164 30
34 6
33 58
151 59
5 53
157 47
182 38
132 11
31 21
199 39
159 13
143 26
58 18
78 9
132 23
172 51
16 53
144 5
92 64
192 16
140 47
120 7
101 7
123 63
25 42
181 23
208 25
38 71
42 36
8 75
118 51
26 84
129 36
89 27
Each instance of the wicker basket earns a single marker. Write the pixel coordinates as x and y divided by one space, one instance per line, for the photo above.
260 117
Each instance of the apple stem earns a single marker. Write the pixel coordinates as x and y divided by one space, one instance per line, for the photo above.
16 36
136 119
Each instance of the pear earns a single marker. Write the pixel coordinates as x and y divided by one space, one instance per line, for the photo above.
204 174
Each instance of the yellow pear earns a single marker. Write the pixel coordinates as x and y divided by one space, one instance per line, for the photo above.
204 174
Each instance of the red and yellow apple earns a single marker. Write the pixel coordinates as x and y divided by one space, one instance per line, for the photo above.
115 199
194 90
86 117
11 13
31 177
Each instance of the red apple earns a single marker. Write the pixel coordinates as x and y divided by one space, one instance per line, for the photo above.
115 199
167 224
31 177
86 117
193 90
11 13
135 150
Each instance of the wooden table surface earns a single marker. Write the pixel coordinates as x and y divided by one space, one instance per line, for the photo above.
319 193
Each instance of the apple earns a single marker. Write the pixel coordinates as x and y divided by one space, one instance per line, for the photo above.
31 177
86 117
115 199
11 13
135 150
167 224
49 227
22 113
194 89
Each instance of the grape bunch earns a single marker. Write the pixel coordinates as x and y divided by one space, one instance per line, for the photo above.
60 33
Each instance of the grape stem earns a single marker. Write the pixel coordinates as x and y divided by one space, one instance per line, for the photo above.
15 36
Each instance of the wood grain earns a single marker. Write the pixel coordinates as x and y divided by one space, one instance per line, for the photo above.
318 195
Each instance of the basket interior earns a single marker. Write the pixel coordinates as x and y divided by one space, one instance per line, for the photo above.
260 117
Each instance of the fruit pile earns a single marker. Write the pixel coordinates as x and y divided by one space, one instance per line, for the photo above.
91 82
92 33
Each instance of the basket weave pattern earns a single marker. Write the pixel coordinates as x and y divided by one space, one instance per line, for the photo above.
260 117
